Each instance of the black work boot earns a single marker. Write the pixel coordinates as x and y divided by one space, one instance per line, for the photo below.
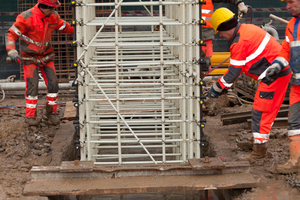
32 121
53 119
258 154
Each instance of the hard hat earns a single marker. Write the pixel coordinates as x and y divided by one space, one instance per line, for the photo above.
219 16
52 3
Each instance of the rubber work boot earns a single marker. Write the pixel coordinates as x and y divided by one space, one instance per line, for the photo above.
51 116
293 164
32 121
258 154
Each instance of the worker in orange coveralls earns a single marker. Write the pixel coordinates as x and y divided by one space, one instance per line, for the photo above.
289 55
35 27
208 31
252 52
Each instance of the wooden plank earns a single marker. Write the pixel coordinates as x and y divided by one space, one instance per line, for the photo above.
70 111
139 184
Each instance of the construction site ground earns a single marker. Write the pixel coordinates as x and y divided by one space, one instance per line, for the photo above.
22 147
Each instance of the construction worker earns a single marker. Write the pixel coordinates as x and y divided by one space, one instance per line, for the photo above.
289 54
252 52
34 27
208 31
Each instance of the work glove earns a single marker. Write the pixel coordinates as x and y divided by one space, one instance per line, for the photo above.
272 71
14 56
213 93
242 8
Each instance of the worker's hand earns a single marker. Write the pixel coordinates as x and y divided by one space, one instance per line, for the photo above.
212 93
242 8
272 71
14 56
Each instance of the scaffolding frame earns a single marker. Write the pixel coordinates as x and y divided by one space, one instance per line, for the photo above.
138 91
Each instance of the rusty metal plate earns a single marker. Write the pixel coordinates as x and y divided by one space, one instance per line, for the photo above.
138 184
207 163
77 166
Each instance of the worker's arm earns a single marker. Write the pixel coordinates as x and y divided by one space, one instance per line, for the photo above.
238 3
282 60
234 70
14 32
63 26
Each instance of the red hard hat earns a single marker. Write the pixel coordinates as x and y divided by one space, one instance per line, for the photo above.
52 3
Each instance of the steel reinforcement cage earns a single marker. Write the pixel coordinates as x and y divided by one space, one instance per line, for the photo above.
139 83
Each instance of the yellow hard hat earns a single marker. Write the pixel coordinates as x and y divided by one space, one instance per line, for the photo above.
219 16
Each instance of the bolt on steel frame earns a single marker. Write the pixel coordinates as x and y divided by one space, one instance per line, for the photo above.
138 91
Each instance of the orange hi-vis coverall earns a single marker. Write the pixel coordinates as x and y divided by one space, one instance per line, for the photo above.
252 52
35 29
290 54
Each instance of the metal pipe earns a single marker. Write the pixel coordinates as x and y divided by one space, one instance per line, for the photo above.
19 86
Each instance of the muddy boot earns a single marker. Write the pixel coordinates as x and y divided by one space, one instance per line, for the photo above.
258 154
53 119
293 164
32 121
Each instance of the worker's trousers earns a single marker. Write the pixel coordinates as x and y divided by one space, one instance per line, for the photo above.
32 80
267 102
294 111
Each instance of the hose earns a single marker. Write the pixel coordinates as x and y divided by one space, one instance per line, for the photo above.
251 13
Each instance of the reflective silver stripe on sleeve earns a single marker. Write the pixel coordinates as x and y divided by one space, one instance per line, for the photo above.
225 83
52 95
10 43
30 105
63 26
206 18
295 43
207 11
294 132
283 61
258 51
32 97
27 38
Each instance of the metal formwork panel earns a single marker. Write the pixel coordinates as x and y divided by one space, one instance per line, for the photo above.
138 88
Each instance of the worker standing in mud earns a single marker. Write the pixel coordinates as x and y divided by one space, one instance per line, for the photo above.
252 52
289 55
35 27
207 30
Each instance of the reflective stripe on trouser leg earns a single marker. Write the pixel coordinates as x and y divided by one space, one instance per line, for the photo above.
51 101
30 107
267 102
294 111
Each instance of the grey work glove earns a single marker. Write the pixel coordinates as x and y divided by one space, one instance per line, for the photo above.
14 56
242 8
272 71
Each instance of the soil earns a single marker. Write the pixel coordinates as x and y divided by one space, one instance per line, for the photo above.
22 147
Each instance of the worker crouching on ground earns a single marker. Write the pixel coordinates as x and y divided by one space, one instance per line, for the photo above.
35 27
289 54
252 52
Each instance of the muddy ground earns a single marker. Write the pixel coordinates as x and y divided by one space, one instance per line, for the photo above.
22 147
